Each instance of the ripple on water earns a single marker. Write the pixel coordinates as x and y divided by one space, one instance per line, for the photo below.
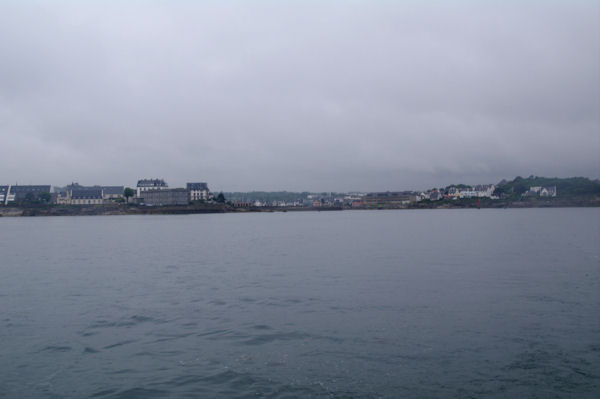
262 327
126 322
134 393
262 339
120 343
103 393
56 348
384 307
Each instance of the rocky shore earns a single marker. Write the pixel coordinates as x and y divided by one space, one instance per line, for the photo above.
123 209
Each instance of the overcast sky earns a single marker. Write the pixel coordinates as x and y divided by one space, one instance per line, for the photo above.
298 95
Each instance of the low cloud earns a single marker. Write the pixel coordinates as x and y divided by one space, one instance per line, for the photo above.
298 96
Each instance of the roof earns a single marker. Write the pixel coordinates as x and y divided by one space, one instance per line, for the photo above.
29 189
113 190
197 186
87 193
151 183
164 192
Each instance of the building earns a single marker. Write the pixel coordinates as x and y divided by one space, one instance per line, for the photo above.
453 193
484 190
22 193
85 195
357 204
111 193
5 195
535 189
467 193
144 185
76 194
391 199
538 191
435 195
198 191
241 204
61 197
173 196
548 191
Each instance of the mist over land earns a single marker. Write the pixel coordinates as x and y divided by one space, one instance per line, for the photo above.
333 96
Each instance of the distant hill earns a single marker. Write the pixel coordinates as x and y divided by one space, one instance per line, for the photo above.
566 187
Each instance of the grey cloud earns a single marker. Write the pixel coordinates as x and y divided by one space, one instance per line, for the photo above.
314 95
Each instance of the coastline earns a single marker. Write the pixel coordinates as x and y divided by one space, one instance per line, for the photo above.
121 209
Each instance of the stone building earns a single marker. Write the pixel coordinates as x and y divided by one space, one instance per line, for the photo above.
86 196
144 185
111 193
173 196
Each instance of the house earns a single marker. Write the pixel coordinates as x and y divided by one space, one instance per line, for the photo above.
453 193
484 190
391 199
160 197
5 195
435 196
548 191
80 195
61 197
357 204
467 193
541 191
29 192
150 184
198 191
242 204
111 193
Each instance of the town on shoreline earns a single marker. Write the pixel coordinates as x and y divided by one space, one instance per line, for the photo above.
154 196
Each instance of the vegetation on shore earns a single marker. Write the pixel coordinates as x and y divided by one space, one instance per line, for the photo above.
566 187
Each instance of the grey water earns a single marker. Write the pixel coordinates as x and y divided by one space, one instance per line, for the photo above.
351 304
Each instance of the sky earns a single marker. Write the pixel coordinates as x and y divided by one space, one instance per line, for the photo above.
298 95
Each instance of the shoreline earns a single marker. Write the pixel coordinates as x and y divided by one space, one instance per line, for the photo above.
119 209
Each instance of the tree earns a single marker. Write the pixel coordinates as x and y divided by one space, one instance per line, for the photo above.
220 198
44 197
128 192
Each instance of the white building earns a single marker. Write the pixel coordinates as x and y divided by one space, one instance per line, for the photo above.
5 195
198 191
548 191
484 190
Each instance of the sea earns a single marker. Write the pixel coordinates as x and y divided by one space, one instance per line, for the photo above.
473 303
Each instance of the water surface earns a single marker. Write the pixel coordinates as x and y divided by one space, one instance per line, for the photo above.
352 304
